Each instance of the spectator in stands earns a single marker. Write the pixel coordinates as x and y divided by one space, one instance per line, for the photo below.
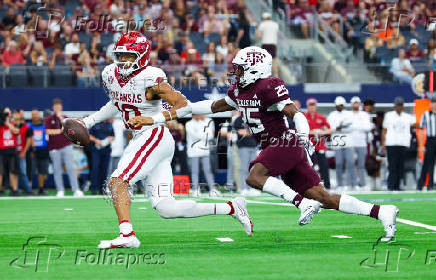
396 41
243 40
209 57
60 150
301 15
190 25
9 21
340 120
371 44
401 68
222 47
212 24
73 48
319 129
19 27
101 135
12 55
414 53
8 151
38 54
247 148
199 131
24 142
430 52
359 128
268 31
86 74
177 130
395 139
40 150
57 57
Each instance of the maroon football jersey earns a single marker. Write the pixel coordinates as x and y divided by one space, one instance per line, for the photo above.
256 103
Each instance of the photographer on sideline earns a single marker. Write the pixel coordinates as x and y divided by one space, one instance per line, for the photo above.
8 151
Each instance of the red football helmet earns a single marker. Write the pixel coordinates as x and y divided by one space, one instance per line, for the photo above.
133 43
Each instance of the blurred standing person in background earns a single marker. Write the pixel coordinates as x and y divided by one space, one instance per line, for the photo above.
8 151
319 129
24 142
199 131
101 135
177 130
395 139
268 31
340 120
359 128
40 150
61 151
227 132
428 121
247 148
118 144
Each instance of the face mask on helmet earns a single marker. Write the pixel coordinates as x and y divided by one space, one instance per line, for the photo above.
126 62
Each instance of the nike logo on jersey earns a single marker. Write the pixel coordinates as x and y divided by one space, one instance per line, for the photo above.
126 97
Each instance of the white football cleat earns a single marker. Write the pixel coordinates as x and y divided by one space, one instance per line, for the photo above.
120 242
78 193
308 208
388 216
60 194
241 214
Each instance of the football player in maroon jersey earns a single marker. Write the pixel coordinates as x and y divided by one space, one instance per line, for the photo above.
264 104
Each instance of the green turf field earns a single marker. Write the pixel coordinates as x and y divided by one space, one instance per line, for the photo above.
188 249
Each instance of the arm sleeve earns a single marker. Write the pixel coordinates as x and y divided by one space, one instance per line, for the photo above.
107 111
301 124
230 102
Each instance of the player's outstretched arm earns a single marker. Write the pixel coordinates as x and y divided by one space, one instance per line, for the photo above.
106 112
167 93
180 107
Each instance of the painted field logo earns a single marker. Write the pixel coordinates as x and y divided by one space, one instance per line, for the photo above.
38 254
388 256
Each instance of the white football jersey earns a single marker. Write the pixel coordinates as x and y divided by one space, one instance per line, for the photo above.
130 95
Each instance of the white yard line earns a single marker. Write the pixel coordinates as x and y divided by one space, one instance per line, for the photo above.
416 224
224 239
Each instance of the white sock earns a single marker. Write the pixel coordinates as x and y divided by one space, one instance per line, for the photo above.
278 188
125 227
352 205
189 209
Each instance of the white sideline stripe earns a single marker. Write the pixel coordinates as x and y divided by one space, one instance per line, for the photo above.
224 239
416 224
425 232
68 209
341 236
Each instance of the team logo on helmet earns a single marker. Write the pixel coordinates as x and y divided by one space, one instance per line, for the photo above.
254 57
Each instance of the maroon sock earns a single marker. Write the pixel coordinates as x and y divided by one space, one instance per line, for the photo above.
374 211
297 200
232 210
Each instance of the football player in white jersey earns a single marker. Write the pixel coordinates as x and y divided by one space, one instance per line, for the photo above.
136 90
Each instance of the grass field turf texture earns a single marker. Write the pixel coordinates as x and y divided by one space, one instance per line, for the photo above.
279 249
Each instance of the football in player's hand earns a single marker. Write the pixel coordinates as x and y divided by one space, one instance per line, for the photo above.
75 131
